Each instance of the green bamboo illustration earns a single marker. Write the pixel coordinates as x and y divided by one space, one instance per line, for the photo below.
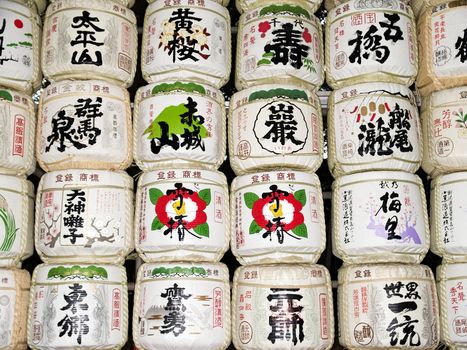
8 220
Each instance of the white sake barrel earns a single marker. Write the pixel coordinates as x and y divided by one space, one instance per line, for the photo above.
17 220
182 214
447 216
84 216
84 124
174 2
78 307
387 307
247 5
443 47
272 126
277 216
444 126
451 280
20 40
330 4
371 42
279 43
14 299
127 3
282 307
201 50
182 306
17 133
380 216
89 39
179 124
373 126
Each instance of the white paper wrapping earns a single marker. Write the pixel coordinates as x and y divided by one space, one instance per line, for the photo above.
370 42
84 124
442 34
17 132
387 307
330 4
182 214
78 306
448 206
444 123
277 217
20 37
247 5
451 279
84 216
182 306
89 39
373 126
179 124
271 126
14 293
282 307
279 43
380 216
201 51
17 220
127 3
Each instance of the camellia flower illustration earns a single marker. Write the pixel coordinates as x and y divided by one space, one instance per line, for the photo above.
181 210
277 211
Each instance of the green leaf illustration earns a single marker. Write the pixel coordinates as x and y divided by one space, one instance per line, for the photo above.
300 196
202 230
263 61
250 198
300 231
205 195
156 224
154 195
254 228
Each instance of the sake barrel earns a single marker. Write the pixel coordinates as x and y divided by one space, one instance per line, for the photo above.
17 219
380 216
84 216
443 47
14 293
222 2
451 279
17 133
20 37
387 306
182 306
179 124
444 126
186 40
282 307
447 204
89 39
84 124
330 4
78 306
182 214
278 216
373 126
247 5
127 3
279 43
370 42
271 127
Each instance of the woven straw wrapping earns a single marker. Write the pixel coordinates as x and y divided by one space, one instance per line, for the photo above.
213 154
294 249
185 341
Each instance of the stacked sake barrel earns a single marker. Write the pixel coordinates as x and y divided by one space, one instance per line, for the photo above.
20 75
281 299
84 207
442 82
182 296
379 218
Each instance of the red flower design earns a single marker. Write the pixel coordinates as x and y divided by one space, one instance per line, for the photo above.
188 208
263 27
306 36
277 199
